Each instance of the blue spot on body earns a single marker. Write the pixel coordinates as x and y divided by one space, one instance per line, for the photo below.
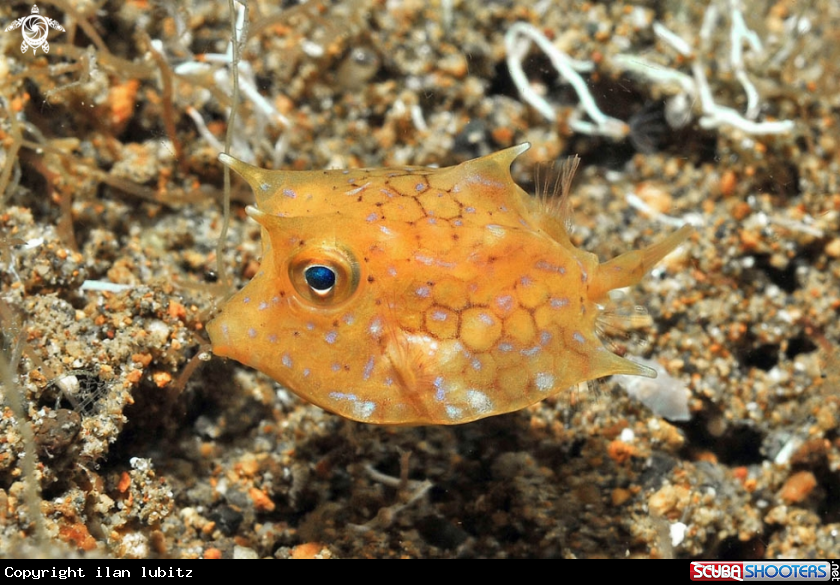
558 303
368 368
440 392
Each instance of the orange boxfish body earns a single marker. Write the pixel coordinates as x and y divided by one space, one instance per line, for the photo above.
414 295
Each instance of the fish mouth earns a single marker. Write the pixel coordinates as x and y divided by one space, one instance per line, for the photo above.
221 339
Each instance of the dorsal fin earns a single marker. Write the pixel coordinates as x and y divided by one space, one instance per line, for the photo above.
553 183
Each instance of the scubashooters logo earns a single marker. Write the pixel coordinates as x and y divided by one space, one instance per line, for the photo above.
764 571
35 29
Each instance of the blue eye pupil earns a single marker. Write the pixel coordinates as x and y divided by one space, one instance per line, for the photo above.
320 278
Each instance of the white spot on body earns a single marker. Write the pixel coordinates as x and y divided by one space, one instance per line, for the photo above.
286 360
371 217
343 396
424 343
453 412
252 333
263 306
544 381
486 319
361 408
547 266
423 291
289 193
330 337
479 402
583 274
385 230
357 190
578 337
364 409
422 259
497 230
375 327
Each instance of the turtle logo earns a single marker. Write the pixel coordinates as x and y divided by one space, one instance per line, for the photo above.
35 30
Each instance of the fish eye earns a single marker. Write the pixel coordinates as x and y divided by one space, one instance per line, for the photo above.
324 276
320 278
